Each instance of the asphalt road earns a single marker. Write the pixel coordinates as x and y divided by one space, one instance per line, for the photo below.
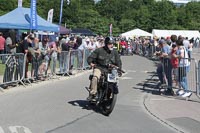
59 106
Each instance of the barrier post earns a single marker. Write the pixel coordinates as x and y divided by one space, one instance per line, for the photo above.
198 80
12 64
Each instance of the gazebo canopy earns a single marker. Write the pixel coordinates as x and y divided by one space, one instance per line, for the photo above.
16 20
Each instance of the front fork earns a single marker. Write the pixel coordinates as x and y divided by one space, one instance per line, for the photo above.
103 93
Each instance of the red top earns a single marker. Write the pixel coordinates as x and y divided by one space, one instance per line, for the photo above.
2 43
174 61
123 44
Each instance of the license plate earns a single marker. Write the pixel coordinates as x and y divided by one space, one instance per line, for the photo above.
112 78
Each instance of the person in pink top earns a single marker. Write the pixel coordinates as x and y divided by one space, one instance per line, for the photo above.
2 43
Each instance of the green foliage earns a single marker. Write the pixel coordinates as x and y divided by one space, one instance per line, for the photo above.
124 15
7 5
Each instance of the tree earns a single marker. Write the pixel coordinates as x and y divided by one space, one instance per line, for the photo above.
192 16
124 15
7 5
163 15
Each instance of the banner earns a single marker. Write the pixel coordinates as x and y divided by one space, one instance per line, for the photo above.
19 3
33 23
50 15
110 29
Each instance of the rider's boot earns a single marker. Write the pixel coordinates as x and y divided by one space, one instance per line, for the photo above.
91 97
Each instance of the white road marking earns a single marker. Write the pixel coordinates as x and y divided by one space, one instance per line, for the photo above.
162 99
145 71
125 78
133 71
1 130
15 129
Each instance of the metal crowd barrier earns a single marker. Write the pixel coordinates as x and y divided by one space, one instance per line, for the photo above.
63 64
86 54
32 68
17 70
144 50
198 76
13 66
173 77
75 60
151 50
64 58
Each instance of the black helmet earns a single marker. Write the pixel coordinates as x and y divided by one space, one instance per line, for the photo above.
109 40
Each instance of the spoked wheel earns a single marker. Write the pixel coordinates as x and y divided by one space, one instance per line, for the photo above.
108 105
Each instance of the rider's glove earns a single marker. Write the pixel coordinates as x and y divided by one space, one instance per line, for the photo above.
119 74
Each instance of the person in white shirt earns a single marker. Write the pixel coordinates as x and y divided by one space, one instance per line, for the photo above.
93 45
100 43
186 43
86 43
190 47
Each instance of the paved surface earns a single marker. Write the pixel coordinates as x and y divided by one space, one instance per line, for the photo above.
181 114
57 108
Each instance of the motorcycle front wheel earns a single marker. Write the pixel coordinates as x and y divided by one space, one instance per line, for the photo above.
108 105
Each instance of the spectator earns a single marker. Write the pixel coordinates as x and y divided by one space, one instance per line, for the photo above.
63 59
80 51
53 51
10 43
36 58
93 45
87 43
197 42
183 68
124 45
24 48
11 60
2 43
20 49
174 60
85 47
157 48
44 49
186 43
166 65
100 42
72 46
168 40
117 46
190 47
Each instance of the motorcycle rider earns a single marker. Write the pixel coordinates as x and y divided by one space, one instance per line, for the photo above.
99 60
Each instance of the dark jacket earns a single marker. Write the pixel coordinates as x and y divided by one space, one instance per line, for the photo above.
68 46
103 56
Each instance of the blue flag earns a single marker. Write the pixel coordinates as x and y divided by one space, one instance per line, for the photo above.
33 23
61 8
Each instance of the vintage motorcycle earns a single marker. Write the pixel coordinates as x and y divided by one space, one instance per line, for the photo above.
107 89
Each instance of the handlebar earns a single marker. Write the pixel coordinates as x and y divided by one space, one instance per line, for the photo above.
111 66
116 67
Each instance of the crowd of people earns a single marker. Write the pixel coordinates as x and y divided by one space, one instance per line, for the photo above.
43 53
174 52
175 55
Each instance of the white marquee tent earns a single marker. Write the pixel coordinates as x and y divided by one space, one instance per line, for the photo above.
184 33
137 33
